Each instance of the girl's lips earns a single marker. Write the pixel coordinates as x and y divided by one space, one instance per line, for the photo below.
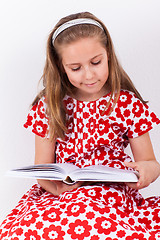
91 84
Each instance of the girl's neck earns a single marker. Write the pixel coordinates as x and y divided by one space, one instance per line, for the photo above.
88 97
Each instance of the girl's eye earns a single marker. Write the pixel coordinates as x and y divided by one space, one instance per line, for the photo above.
96 63
75 69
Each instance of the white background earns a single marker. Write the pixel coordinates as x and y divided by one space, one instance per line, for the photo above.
24 26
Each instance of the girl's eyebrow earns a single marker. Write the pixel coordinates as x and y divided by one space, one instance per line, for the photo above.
70 64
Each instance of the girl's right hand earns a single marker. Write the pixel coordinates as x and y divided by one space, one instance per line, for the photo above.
58 187
63 187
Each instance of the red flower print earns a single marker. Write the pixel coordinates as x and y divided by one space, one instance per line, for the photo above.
92 107
146 213
146 113
69 105
79 229
29 121
102 106
39 225
80 125
116 164
32 235
53 233
111 135
40 128
64 221
80 107
154 118
136 213
125 99
94 237
34 107
108 238
119 114
51 215
125 225
102 141
113 216
105 225
29 218
145 222
75 209
156 215
85 135
103 126
129 122
131 221
16 230
90 144
142 126
137 108
121 233
154 235
99 207
139 228
91 125
68 196
90 215
120 213
94 193
100 154
4 234
42 205
126 113
69 125
69 148
136 236
41 110
35 115
113 198
118 129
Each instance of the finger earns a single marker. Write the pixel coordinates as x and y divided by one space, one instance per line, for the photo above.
131 165
141 181
132 185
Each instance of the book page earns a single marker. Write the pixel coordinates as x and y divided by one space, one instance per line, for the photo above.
104 173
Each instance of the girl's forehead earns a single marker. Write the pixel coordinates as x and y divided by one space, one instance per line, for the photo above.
85 48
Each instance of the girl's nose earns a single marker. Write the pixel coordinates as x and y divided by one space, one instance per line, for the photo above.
88 73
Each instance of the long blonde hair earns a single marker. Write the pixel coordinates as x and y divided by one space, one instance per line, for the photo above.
55 80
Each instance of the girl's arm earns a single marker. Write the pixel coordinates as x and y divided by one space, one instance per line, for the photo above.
145 161
45 153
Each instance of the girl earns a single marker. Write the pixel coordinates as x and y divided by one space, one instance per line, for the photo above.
88 112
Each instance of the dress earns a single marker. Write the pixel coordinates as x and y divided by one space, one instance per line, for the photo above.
103 211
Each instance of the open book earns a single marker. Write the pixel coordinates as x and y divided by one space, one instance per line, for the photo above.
70 173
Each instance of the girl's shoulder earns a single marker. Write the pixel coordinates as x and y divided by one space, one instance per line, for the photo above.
37 119
128 94
129 99
133 113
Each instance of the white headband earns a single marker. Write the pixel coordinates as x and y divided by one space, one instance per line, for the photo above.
73 23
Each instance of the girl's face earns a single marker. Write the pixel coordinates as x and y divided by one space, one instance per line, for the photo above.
86 65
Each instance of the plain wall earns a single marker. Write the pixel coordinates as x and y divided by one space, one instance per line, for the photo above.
24 26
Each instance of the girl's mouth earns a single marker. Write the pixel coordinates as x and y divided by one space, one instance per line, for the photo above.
91 84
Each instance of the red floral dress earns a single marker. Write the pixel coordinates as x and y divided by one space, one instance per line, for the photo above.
95 212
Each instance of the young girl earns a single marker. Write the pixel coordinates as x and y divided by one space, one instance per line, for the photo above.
88 112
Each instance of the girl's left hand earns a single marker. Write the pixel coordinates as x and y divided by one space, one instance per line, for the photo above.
149 171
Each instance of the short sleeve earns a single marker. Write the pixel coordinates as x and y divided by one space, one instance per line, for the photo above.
37 120
142 118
